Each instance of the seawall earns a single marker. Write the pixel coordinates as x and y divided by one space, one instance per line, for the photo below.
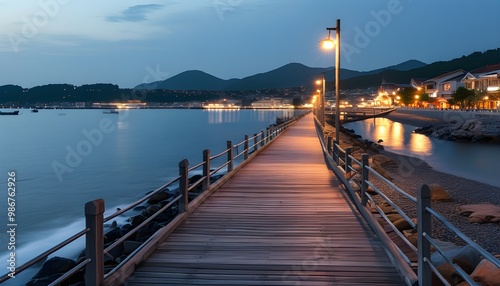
447 115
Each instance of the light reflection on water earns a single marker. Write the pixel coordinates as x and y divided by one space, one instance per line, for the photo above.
473 161
394 135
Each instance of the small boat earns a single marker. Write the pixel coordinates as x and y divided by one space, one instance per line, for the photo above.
112 111
34 110
9 112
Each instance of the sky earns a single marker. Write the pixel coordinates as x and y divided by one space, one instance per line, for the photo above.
129 42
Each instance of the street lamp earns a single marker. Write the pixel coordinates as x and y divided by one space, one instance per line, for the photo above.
329 44
322 95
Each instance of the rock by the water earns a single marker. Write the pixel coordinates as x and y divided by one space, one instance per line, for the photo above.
113 235
51 270
467 258
473 130
402 224
160 196
481 213
439 194
486 273
382 160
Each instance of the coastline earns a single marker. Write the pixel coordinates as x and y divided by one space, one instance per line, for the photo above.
412 119
410 172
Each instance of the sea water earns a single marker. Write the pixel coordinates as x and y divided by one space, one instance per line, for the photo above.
477 162
65 158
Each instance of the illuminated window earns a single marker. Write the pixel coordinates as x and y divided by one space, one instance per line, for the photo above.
493 82
446 86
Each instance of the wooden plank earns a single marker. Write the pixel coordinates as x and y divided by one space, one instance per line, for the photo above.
281 220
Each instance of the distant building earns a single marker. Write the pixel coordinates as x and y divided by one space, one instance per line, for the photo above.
444 85
272 103
486 81
417 83
391 89
387 93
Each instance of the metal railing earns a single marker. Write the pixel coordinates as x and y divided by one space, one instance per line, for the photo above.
96 253
418 272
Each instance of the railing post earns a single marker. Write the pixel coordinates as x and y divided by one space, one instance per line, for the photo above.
347 160
261 138
267 135
364 177
424 229
229 156
335 153
329 146
245 155
94 242
183 185
206 170
255 142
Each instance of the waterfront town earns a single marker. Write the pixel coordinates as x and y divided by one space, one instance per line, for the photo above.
477 89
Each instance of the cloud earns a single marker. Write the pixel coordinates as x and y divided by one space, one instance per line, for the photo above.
136 13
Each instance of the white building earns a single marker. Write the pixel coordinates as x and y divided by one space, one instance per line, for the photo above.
444 85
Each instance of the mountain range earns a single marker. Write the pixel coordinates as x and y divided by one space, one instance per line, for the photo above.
290 75
296 74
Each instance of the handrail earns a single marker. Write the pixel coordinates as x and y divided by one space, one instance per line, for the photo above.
45 254
143 199
96 209
337 156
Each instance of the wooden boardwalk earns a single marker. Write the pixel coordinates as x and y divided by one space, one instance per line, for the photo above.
283 219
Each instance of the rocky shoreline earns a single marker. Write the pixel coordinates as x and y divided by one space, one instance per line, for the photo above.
481 130
409 173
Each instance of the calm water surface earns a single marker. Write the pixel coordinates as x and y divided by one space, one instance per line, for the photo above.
64 158
473 161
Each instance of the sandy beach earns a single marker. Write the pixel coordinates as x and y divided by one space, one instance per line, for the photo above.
409 173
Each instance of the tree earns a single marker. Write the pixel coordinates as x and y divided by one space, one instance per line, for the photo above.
407 95
464 97
424 97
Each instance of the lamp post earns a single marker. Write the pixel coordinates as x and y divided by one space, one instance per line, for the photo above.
330 44
322 95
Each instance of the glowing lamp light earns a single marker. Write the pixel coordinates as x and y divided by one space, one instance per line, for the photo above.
318 82
328 43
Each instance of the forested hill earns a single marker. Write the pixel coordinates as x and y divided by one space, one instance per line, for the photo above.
467 63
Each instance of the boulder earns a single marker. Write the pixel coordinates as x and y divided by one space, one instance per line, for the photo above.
158 197
51 270
113 235
467 258
354 186
486 273
439 194
137 220
448 273
402 224
383 172
150 210
480 213
394 217
382 160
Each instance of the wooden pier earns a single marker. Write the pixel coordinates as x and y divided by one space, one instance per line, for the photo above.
283 219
